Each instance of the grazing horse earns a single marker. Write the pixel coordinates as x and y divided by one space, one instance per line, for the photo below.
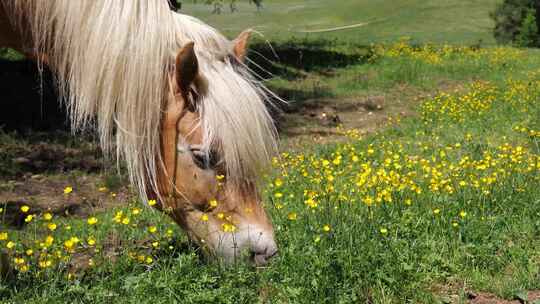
171 98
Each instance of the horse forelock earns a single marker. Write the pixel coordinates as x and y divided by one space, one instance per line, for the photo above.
234 104
112 61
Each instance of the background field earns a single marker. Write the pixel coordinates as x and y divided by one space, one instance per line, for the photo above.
453 21
409 173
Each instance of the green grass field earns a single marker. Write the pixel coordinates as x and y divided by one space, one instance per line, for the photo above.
454 21
429 208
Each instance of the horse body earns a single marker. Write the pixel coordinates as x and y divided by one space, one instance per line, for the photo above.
171 97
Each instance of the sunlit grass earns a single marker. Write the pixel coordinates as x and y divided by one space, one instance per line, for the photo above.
447 198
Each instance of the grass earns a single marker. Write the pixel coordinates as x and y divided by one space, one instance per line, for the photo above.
438 21
433 206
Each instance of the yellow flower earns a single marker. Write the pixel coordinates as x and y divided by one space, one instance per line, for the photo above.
152 202
18 261
49 240
29 252
45 264
327 228
204 217
51 226
69 244
278 182
311 203
220 216
10 245
384 230
118 216
213 203
436 211
47 216
25 208
125 221
149 260
368 200
292 216
3 236
463 214
23 268
29 218
68 190
155 244
92 221
454 224
136 211
152 229
228 227
278 195
102 189
220 177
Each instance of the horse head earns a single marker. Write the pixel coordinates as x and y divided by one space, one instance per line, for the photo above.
208 185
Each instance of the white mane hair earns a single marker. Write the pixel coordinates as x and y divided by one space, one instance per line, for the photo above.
113 59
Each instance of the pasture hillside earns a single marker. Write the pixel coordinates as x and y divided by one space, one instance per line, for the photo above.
435 21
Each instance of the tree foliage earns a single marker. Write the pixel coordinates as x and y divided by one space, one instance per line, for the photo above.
517 21
528 32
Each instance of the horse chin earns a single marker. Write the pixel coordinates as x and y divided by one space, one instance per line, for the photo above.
250 243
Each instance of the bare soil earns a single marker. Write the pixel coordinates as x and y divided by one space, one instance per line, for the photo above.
46 193
488 298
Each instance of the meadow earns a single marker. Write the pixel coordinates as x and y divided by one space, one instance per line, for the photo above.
453 21
440 201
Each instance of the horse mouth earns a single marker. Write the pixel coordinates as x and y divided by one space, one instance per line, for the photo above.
262 259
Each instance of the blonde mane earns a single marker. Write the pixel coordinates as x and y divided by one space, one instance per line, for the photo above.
112 60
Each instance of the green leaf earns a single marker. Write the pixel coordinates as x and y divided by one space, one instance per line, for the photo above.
521 295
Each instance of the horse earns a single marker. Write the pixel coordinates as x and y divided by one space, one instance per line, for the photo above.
170 97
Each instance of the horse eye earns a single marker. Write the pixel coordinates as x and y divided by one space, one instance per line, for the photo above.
205 160
201 159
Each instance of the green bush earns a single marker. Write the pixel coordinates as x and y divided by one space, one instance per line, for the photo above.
517 21
9 54
528 32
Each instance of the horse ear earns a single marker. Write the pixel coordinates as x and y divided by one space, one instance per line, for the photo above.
240 45
187 67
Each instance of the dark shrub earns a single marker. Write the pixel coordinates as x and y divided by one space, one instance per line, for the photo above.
517 21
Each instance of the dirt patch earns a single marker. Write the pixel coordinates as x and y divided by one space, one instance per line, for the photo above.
316 121
47 157
488 298
52 157
113 246
323 120
90 194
